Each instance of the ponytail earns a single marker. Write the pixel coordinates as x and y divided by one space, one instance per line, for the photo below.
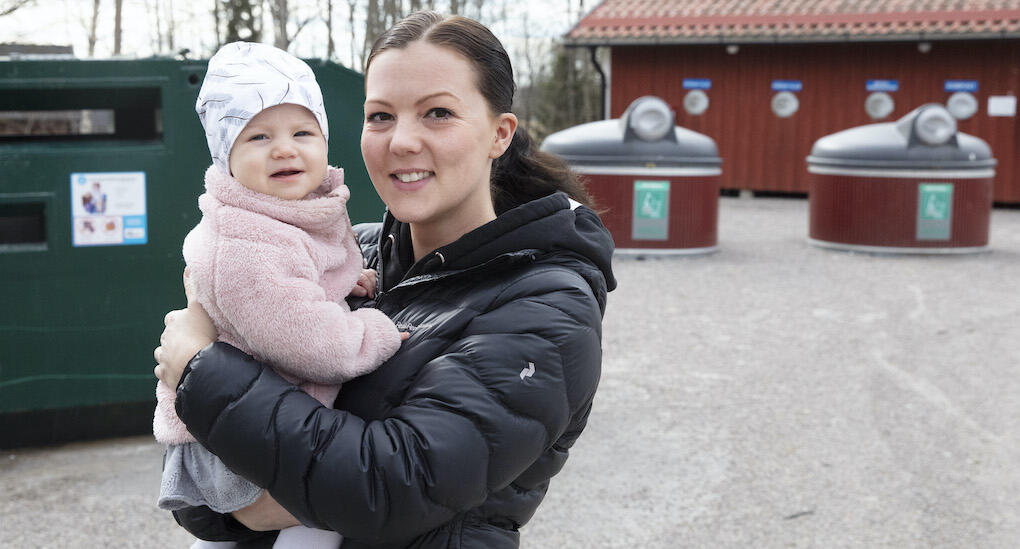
525 173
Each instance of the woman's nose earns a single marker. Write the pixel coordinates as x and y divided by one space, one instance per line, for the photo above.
405 139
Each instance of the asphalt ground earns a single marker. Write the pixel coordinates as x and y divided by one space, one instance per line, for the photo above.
771 395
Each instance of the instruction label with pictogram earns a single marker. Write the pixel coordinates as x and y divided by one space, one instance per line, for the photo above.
934 211
651 210
108 209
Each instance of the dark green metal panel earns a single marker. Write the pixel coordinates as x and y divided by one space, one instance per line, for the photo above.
78 324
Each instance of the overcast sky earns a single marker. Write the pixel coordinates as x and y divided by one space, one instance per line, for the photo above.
65 22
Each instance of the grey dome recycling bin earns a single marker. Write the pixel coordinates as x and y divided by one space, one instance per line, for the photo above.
659 182
916 185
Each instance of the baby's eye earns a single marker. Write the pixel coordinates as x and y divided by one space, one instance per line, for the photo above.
379 117
439 113
303 133
258 137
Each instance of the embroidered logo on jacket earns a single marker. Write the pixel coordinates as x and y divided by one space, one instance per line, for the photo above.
529 371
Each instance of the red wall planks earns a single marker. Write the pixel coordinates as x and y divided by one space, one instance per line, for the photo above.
763 152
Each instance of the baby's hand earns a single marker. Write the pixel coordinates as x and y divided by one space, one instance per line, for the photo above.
366 284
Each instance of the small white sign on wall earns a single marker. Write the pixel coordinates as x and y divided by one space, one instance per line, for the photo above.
1002 105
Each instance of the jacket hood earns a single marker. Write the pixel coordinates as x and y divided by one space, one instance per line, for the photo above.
320 210
553 225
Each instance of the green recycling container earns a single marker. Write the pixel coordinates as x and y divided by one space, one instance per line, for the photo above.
101 165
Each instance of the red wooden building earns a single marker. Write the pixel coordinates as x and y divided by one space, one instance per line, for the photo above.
765 78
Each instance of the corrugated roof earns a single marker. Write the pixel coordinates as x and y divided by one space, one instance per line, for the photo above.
617 22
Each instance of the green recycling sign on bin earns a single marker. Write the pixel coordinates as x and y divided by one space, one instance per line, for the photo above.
934 211
651 210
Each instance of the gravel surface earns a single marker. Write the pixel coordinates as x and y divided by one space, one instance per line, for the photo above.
770 395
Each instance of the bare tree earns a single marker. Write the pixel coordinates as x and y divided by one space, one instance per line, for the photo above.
571 74
529 69
117 9
280 12
170 24
281 15
373 26
163 41
8 7
393 11
216 23
243 20
351 5
92 27
330 45
157 39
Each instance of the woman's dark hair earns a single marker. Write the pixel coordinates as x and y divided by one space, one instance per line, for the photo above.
523 173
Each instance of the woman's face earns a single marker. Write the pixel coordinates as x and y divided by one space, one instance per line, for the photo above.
429 138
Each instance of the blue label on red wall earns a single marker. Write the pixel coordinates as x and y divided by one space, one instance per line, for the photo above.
883 85
961 85
787 85
697 83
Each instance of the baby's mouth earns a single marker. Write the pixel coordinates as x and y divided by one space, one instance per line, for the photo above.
286 173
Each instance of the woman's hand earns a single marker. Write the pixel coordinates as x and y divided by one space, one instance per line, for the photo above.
265 514
187 332
365 286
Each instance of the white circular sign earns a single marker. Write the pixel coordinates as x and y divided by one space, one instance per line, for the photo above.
696 102
879 105
785 104
962 105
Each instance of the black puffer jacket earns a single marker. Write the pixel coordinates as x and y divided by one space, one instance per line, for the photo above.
452 442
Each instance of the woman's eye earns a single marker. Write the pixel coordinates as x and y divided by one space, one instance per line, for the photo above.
379 117
439 113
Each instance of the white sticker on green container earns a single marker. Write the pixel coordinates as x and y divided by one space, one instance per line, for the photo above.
934 211
108 209
651 210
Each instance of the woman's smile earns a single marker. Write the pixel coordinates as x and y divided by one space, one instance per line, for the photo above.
409 181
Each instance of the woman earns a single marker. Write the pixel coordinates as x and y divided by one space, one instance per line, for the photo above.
488 259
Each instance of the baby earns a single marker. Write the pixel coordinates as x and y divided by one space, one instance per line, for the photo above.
271 261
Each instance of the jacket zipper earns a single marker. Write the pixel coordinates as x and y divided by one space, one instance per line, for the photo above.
529 255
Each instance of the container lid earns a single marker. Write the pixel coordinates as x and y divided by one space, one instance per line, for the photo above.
926 138
645 136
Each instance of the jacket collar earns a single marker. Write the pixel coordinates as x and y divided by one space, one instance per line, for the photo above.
547 225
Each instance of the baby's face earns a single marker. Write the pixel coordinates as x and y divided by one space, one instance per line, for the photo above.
281 152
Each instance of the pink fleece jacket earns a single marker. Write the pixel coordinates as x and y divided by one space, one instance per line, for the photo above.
273 275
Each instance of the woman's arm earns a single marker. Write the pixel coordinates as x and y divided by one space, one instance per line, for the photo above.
265 515
188 331
185 333
472 422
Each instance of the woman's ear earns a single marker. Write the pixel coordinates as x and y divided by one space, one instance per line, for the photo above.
506 125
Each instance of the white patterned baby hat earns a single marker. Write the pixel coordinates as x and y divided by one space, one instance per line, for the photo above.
244 79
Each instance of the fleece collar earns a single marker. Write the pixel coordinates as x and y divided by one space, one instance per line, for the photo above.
321 210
